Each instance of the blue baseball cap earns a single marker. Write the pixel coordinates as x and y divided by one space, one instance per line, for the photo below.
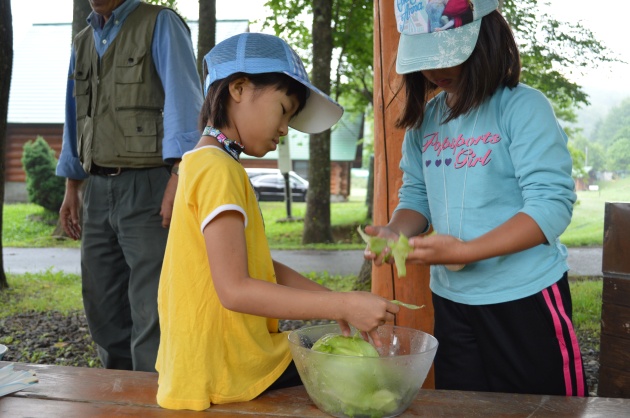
438 33
257 53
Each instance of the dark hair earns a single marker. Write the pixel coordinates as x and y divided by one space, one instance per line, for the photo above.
214 107
494 62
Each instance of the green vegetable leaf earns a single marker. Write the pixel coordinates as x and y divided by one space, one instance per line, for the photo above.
345 346
356 383
407 305
375 244
400 249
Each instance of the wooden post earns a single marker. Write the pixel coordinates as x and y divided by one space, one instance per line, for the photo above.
414 288
614 355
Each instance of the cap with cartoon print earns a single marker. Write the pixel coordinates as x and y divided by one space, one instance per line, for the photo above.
438 33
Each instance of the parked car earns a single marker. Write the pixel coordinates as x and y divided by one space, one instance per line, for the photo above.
253 172
269 184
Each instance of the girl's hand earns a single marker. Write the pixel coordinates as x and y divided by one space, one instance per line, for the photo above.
346 331
518 233
344 327
366 312
438 249
385 255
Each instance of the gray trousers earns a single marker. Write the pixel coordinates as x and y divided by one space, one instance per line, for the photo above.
122 249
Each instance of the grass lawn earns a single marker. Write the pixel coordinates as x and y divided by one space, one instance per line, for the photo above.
61 292
28 225
344 218
587 305
587 224
47 291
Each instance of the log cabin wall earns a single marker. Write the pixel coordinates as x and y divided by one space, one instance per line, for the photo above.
340 180
17 136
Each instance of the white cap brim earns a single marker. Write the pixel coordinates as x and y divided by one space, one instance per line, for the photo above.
319 113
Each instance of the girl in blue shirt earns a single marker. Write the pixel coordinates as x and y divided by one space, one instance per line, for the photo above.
486 166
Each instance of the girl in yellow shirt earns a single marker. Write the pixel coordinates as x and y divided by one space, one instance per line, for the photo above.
220 291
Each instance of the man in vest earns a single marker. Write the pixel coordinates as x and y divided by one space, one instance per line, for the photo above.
132 104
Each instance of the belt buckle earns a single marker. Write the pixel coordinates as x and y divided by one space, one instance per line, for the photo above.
116 173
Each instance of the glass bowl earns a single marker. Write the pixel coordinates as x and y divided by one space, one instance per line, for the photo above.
353 386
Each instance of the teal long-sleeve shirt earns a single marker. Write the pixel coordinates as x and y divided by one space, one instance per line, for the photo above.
471 175
174 61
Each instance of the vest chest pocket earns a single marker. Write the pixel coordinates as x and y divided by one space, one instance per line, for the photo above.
82 89
129 65
142 137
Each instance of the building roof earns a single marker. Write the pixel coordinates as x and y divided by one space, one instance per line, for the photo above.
40 69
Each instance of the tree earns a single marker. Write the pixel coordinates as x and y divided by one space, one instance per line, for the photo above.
6 68
206 38
81 9
550 49
594 154
342 34
352 35
619 152
166 3
609 148
578 157
317 226
617 119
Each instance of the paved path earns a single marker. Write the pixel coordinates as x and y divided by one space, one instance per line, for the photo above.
582 261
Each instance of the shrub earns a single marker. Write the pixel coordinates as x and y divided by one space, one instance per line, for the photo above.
43 187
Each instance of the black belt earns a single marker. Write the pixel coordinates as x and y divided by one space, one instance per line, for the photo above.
97 170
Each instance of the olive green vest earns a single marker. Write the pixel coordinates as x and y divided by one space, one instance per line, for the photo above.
120 100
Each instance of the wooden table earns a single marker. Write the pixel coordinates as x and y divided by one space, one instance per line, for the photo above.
69 392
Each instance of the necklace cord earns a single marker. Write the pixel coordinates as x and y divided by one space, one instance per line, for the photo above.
461 215
232 147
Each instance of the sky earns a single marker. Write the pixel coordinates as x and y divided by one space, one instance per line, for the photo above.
606 85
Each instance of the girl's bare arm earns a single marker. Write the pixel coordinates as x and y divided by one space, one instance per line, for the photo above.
239 292
516 234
